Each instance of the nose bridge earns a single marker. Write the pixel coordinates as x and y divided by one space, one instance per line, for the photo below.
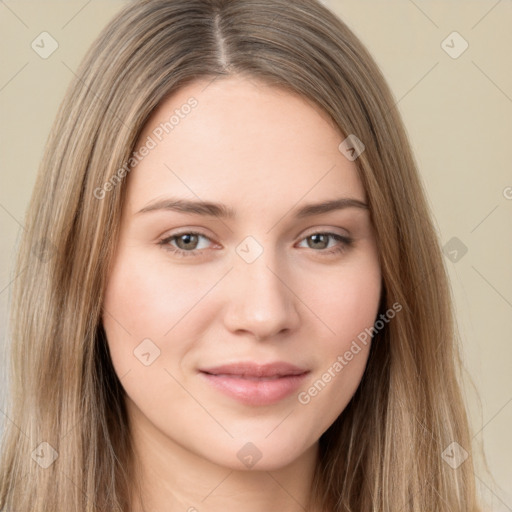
260 301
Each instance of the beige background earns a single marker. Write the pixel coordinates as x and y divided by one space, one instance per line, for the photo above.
458 113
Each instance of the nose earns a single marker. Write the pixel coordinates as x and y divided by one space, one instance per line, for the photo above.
261 300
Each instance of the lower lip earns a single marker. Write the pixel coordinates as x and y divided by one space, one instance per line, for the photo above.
256 391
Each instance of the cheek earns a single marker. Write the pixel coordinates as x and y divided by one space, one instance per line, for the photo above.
329 391
343 351
147 300
147 309
346 301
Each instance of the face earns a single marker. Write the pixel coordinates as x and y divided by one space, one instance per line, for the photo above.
232 324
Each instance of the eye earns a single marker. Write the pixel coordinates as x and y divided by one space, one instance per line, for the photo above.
187 243
321 241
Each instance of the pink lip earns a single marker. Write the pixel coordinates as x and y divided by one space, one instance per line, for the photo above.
255 384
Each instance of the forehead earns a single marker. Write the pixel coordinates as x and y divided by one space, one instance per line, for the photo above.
244 143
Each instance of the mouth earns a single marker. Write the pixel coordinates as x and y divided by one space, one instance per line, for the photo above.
254 384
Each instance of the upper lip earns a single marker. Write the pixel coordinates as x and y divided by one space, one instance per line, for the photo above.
251 369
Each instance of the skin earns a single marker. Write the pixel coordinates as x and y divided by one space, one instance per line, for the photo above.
264 152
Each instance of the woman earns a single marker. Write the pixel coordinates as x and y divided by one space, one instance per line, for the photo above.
181 341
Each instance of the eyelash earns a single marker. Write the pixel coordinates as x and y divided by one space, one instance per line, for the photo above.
346 242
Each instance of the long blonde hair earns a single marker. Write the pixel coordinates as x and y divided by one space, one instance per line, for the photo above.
384 452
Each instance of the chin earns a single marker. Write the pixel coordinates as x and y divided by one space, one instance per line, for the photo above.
262 455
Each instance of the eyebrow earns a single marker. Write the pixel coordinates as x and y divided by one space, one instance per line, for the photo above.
212 209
